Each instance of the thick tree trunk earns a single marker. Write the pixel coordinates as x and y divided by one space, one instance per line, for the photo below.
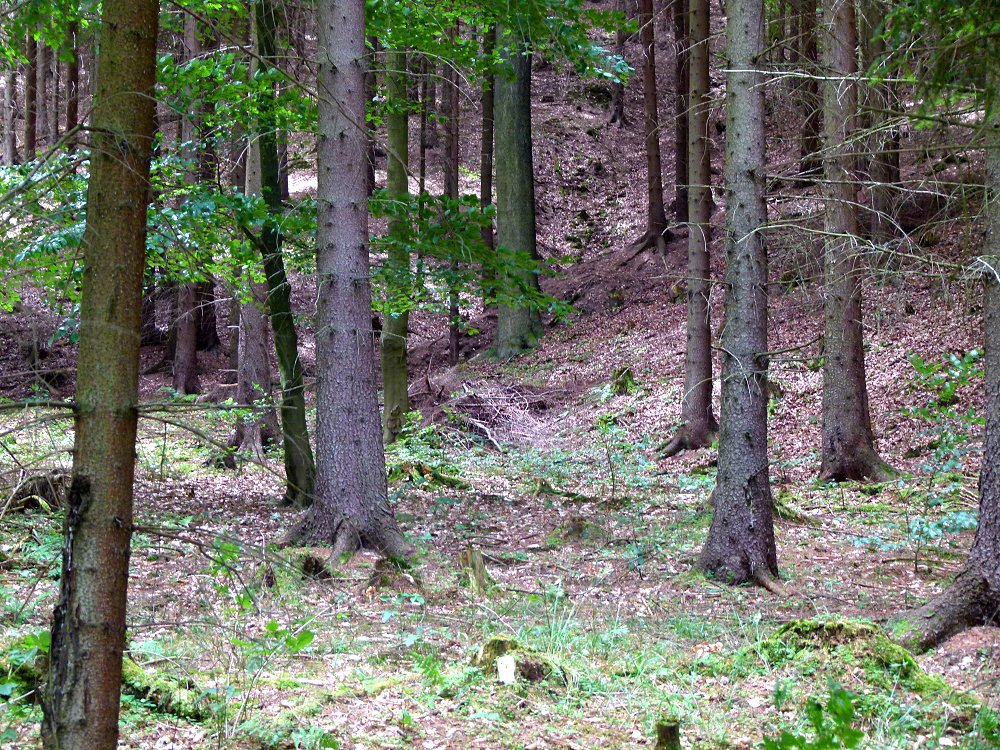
518 325
848 444
185 359
54 99
973 598
42 94
698 426
9 152
81 703
681 83
300 468
618 88
809 138
351 506
486 163
30 100
656 235
207 315
450 162
740 546
395 372
425 107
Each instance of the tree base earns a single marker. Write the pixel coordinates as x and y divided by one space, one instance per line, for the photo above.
344 537
968 602
856 466
653 239
687 439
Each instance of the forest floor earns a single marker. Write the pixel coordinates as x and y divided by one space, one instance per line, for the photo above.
548 466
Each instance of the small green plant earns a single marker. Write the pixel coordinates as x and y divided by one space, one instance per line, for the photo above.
623 456
832 726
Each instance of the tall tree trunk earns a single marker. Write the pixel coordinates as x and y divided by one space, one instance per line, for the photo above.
973 598
681 83
395 372
54 98
425 111
351 506
42 93
740 546
9 154
300 468
253 372
30 101
518 325
185 376
73 85
848 445
809 138
82 698
656 235
618 87
450 100
486 163
698 426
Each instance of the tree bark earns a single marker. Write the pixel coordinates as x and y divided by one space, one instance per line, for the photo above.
486 163
73 86
42 93
848 444
9 153
740 546
973 598
54 99
809 138
351 506
656 235
698 426
300 467
30 100
518 325
81 702
681 83
395 328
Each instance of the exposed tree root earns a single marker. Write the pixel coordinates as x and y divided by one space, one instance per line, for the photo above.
968 602
685 439
653 239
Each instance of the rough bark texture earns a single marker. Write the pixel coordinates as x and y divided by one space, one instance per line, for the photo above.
848 444
351 506
300 468
740 546
809 140
72 85
395 371
656 217
518 326
973 598
81 704
698 426
680 24
253 375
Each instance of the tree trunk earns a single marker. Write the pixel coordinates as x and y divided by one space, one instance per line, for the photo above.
351 506
395 372
253 373
450 162
185 361
30 103
848 445
300 468
973 598
207 316
740 546
698 426
618 87
809 140
72 86
681 83
42 93
54 99
9 153
486 164
518 325
81 701
656 235
424 123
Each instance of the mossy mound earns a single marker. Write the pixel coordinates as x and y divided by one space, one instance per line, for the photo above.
859 653
531 665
